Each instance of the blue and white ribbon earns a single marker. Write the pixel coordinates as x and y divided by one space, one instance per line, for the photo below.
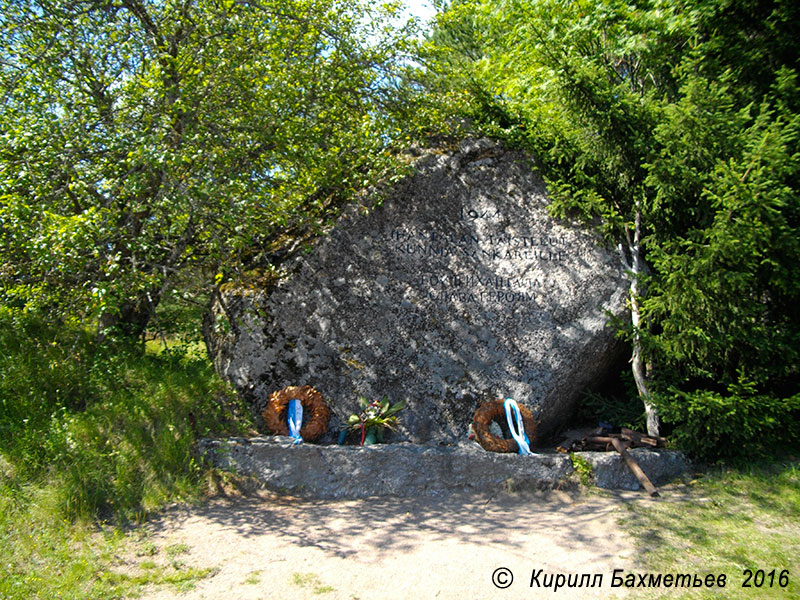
518 430
295 420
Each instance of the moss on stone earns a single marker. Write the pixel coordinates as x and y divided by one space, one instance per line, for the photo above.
253 280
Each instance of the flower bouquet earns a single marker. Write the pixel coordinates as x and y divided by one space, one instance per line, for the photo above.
375 417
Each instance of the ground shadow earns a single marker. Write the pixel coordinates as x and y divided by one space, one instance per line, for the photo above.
386 525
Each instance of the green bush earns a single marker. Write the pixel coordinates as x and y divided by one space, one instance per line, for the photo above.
109 427
713 426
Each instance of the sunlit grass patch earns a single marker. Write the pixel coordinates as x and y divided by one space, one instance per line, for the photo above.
94 435
312 582
190 348
47 558
253 578
744 523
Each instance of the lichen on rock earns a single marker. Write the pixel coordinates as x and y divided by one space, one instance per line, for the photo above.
457 289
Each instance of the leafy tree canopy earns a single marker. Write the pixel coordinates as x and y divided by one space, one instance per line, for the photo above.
147 144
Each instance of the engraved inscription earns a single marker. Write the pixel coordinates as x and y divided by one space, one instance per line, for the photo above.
481 251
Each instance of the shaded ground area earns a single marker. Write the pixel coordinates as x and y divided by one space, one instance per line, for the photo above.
271 546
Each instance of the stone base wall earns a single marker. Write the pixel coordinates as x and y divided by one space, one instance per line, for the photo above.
411 470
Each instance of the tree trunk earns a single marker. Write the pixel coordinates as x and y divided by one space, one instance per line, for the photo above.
637 362
640 373
132 318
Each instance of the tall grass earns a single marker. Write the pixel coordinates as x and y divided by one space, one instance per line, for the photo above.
92 432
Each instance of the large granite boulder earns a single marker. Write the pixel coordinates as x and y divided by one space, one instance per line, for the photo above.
458 288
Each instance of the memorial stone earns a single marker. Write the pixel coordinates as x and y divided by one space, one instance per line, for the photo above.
457 289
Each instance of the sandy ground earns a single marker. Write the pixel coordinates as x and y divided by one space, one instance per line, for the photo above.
269 546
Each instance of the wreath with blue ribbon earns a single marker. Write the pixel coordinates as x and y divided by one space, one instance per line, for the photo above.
496 411
276 414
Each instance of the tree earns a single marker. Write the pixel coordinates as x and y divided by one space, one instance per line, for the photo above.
147 143
650 121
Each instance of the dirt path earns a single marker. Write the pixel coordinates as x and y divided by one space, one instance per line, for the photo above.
269 546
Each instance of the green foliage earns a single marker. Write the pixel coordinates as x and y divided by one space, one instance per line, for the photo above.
618 410
737 424
672 128
91 431
45 557
59 560
726 300
375 416
583 468
150 145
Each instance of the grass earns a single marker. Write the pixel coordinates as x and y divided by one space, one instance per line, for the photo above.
193 349
45 558
584 470
729 521
253 578
93 436
176 550
312 582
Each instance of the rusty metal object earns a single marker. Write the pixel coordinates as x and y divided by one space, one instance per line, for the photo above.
313 405
634 467
495 411
629 438
621 442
